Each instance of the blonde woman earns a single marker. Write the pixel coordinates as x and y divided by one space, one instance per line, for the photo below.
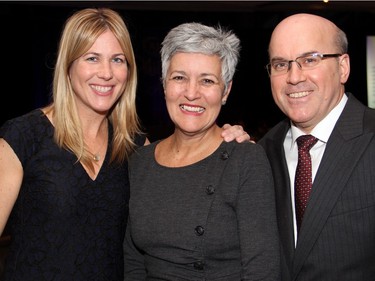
64 167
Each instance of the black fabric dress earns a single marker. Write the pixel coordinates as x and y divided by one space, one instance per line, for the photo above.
64 225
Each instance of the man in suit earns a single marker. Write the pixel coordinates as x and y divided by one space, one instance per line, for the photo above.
308 69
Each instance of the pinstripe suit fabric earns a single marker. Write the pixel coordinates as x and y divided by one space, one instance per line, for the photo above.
337 238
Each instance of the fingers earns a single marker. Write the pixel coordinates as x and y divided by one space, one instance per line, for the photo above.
226 126
235 132
244 138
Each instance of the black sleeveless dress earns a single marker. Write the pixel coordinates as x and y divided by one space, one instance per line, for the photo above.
64 225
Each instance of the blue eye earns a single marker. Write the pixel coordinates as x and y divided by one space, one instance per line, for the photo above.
93 59
119 60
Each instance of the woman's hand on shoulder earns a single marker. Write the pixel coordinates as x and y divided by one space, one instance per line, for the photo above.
235 132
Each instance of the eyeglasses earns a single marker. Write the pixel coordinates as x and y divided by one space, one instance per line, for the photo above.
306 62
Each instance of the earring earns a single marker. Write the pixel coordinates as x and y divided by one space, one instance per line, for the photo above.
223 102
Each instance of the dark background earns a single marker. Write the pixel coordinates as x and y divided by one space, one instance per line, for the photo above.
30 32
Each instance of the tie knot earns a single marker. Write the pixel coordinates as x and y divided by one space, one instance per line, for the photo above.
306 142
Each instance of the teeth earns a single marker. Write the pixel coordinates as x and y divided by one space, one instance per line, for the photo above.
192 108
298 95
101 88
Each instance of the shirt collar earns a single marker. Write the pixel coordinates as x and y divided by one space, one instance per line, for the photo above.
324 128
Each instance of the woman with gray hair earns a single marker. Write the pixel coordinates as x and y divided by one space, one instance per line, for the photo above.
200 208
198 38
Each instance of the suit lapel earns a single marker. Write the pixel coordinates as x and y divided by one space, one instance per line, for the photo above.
275 150
344 148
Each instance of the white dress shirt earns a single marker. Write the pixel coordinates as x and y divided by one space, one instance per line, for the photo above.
322 131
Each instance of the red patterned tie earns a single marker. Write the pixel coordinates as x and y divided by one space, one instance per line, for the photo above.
303 179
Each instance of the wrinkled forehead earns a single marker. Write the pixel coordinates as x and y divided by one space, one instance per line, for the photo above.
300 34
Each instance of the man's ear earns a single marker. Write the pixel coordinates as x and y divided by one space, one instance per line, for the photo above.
344 68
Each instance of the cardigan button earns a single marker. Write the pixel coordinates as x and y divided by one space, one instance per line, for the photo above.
224 155
199 265
210 189
199 230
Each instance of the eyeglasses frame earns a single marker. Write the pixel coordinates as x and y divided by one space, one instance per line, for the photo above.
322 56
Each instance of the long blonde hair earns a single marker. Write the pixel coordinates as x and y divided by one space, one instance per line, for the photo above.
79 34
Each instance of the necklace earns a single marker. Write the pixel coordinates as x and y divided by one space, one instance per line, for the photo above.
96 156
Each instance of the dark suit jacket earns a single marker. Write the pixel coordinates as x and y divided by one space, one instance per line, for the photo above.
337 236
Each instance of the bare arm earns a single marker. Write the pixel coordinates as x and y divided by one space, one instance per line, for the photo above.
10 181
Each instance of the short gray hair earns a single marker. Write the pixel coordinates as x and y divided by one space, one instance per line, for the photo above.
198 38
